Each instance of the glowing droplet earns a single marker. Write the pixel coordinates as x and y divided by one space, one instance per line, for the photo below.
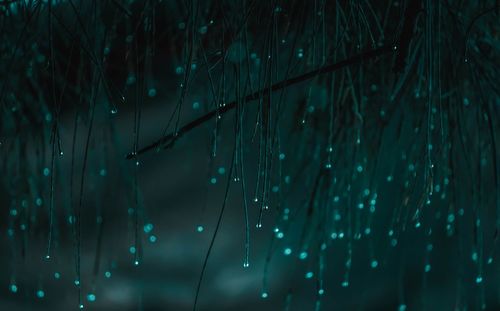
57 275
287 251
374 264
107 274
46 171
148 228
131 249
91 297
309 275
13 288
303 255
200 228
221 170
152 239
264 295
40 293
152 92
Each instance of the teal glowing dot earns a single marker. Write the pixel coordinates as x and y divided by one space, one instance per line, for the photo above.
77 282
10 232
394 242
13 212
300 53
275 189
280 235
107 274
366 192
91 297
213 180
427 268
490 260
179 70
246 264
130 79
152 239
402 307
136 263
374 264
57 275
429 247
303 255
321 291
13 288
479 279
46 171
114 110
282 156
368 231
264 295
196 105
131 249
389 178
152 92
451 218
203 30
81 306
333 235
474 256
148 228
40 293
287 251
200 228
48 117
372 208
336 199
345 283
103 172
359 168
221 170
309 275
193 66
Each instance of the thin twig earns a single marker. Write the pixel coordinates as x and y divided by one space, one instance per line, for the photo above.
168 140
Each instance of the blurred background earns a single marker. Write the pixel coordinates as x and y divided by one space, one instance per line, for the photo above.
271 155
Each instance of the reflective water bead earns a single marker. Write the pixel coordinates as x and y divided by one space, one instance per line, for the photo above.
13 288
91 297
40 293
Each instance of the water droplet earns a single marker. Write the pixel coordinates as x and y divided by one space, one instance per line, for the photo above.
13 288
107 274
264 295
374 264
91 297
40 293
303 255
148 228
152 92
309 275
287 251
